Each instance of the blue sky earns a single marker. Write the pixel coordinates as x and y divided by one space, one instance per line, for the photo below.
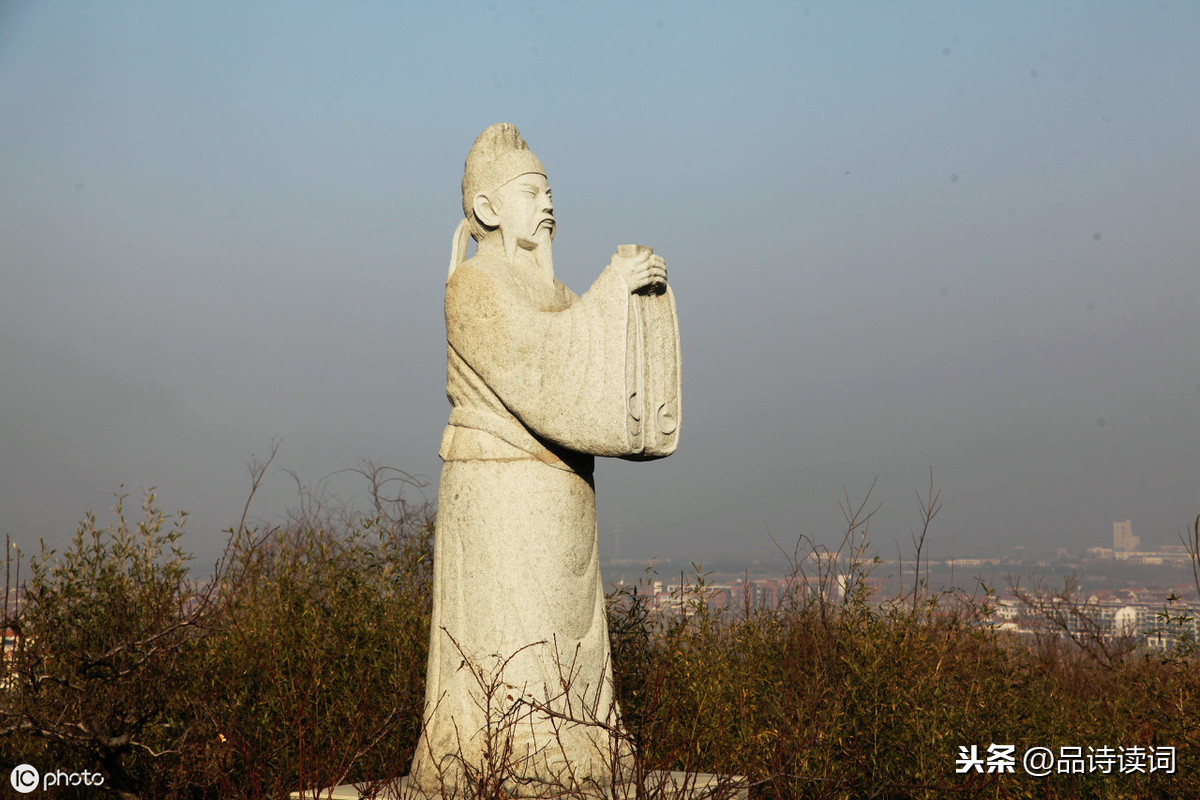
901 236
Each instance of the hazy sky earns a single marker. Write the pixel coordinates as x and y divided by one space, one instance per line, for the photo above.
901 235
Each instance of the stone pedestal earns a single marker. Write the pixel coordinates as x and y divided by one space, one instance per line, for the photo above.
659 786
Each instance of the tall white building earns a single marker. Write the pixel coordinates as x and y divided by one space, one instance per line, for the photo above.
1123 538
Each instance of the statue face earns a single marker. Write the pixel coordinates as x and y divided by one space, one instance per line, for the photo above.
526 211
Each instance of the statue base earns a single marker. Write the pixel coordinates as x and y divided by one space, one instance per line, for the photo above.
659 785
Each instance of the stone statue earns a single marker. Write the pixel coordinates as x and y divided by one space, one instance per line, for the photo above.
541 382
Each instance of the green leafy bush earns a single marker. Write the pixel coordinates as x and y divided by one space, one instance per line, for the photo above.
108 636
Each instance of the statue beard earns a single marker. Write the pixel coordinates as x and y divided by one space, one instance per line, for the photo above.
543 256
541 251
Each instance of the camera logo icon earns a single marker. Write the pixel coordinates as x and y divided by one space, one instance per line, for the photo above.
24 778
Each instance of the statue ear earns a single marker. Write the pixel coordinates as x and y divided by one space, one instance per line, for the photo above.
485 211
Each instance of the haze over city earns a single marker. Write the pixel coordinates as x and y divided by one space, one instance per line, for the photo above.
901 236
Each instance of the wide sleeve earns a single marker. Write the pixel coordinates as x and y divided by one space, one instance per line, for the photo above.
575 376
653 375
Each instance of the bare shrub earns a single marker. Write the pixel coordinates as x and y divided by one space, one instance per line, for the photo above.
314 669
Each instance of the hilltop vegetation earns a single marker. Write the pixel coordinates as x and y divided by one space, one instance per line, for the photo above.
301 664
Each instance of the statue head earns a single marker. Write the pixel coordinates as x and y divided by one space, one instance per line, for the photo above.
504 183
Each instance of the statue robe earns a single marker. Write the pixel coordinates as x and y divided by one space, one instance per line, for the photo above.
541 381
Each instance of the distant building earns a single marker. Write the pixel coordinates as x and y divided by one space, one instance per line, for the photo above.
1149 617
1123 538
1153 557
972 562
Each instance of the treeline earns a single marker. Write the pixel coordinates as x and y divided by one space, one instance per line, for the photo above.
300 663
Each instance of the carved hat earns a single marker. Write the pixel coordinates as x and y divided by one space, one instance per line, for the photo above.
498 156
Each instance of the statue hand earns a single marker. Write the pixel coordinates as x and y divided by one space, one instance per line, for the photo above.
643 270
